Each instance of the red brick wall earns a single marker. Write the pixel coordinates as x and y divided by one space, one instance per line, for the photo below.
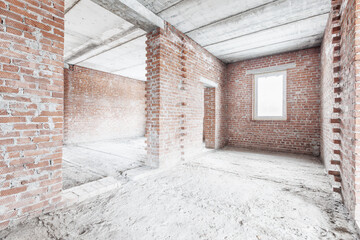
354 12
31 107
346 90
175 96
300 133
210 117
101 106
347 95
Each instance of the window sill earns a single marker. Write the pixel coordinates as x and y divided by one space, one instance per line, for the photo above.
270 119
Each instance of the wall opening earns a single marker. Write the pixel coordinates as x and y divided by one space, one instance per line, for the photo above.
269 96
209 117
104 126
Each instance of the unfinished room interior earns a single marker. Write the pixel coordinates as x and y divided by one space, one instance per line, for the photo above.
179 119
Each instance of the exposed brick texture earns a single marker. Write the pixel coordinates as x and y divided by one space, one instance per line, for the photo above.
300 133
340 81
100 106
179 111
210 117
31 107
175 106
347 95
355 14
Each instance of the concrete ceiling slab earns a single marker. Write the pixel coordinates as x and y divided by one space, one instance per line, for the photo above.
136 72
223 25
99 39
69 4
189 15
94 48
277 48
270 49
128 60
157 6
87 21
231 30
133 12
262 18
288 32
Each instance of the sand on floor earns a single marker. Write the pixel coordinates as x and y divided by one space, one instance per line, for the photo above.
227 194
87 162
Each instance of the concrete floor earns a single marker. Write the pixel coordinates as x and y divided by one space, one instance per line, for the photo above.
225 194
87 162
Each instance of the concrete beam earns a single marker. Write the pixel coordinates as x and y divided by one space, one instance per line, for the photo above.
206 12
70 4
133 12
291 31
157 6
271 69
277 48
95 47
208 83
266 16
128 60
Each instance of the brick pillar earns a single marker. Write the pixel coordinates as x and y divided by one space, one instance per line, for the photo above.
210 117
356 163
31 107
162 102
152 89
174 96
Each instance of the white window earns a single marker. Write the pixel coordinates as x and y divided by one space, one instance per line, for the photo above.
269 98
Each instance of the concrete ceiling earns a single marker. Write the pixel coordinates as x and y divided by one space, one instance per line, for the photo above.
105 35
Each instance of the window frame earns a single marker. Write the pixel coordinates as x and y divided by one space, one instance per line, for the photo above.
255 94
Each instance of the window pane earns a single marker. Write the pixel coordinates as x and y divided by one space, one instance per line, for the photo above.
270 95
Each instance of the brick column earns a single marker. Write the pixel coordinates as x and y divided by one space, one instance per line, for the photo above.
162 101
31 107
175 96
356 154
152 89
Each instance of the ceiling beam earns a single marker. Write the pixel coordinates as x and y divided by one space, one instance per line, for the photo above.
133 12
222 20
70 4
94 48
257 19
271 49
176 3
157 6
289 31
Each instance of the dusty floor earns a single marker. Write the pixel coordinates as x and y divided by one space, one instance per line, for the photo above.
87 162
227 194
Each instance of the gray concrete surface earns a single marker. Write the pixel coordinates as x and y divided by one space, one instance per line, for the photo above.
231 30
226 194
88 162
